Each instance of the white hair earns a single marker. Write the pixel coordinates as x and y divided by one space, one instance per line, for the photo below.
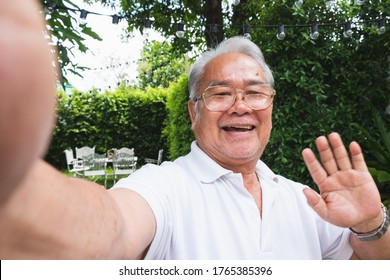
236 44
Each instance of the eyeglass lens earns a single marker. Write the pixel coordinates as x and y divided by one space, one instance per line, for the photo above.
221 98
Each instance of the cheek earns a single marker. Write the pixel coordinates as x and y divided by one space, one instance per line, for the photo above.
203 125
197 124
266 125
265 120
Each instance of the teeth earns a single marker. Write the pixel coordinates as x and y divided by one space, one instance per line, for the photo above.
243 127
239 127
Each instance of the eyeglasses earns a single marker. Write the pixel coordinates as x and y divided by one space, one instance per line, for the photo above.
221 98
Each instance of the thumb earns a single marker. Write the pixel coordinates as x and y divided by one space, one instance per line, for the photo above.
315 201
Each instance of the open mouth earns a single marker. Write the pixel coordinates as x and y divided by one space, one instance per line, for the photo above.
239 128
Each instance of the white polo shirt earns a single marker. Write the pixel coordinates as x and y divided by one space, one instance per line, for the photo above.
203 211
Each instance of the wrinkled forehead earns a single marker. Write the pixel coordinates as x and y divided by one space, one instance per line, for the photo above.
234 69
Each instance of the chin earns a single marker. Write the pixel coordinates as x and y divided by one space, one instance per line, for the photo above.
243 153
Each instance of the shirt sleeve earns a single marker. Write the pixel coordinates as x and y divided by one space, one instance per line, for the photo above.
154 184
334 241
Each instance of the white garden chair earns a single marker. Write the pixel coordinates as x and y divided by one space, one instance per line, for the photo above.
156 161
124 162
74 165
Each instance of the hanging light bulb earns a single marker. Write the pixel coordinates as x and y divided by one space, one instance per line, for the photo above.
314 34
347 30
147 27
148 23
83 17
281 34
329 3
298 3
50 7
115 19
359 2
381 26
247 32
235 2
180 29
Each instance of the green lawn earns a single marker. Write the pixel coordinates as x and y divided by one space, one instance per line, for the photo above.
100 181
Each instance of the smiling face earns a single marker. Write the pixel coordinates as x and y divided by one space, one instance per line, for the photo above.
237 137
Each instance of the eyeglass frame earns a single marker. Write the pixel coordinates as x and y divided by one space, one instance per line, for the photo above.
236 91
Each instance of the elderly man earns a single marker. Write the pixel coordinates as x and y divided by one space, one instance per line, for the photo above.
218 202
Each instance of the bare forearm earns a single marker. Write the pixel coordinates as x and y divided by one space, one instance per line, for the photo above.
55 217
372 250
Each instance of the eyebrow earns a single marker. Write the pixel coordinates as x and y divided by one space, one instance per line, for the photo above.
229 83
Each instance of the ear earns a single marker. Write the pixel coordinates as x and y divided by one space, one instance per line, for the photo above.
192 111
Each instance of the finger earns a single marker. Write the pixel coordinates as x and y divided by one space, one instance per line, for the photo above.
315 168
339 151
316 202
326 155
357 157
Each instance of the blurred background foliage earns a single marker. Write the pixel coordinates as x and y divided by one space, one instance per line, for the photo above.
329 84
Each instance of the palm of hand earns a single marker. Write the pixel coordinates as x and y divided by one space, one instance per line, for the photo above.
348 193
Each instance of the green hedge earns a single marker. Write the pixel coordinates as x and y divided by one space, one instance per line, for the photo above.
128 117
178 124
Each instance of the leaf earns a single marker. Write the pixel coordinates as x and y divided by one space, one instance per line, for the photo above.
381 175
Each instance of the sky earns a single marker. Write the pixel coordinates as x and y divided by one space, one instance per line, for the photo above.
110 51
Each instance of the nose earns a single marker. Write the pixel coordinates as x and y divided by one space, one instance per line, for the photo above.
239 105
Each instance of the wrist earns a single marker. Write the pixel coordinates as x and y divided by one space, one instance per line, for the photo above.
377 232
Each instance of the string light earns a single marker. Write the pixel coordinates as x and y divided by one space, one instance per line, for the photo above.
381 26
83 17
180 29
314 34
148 23
247 32
299 3
281 34
329 3
147 27
115 19
359 2
236 2
50 7
347 30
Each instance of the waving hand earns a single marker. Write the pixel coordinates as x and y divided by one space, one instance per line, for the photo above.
348 194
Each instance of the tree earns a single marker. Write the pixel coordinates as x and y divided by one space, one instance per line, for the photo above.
160 65
66 34
203 20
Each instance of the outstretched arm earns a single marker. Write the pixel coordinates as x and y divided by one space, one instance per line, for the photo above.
49 216
43 214
348 194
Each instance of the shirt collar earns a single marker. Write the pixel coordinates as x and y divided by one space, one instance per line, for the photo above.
201 165
264 172
207 170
